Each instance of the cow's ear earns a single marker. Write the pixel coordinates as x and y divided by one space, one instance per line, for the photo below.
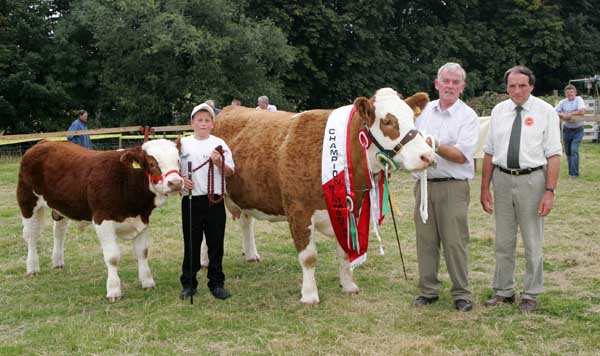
134 158
178 144
417 102
366 110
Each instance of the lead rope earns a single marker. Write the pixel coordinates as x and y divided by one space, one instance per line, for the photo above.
211 177
423 181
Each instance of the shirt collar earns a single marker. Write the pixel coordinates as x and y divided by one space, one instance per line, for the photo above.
526 105
451 110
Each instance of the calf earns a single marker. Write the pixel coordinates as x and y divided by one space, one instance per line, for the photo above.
115 190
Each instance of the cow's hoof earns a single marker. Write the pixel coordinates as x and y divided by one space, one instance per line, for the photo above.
310 300
114 296
148 285
255 258
352 289
59 266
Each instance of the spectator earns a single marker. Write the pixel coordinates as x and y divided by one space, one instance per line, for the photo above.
236 102
263 104
522 159
455 127
567 108
211 103
78 125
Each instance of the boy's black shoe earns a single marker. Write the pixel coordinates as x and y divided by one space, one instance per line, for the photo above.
220 293
187 292
422 300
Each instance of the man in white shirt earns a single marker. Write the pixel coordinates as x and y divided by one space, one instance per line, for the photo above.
567 109
455 127
522 159
263 104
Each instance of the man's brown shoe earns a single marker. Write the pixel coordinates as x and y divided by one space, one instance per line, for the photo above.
498 299
527 305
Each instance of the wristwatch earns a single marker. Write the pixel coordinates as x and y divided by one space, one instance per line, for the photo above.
551 190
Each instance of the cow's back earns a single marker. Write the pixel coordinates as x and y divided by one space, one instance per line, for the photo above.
60 173
277 157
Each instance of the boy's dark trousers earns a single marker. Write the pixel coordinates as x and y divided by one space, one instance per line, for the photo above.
210 220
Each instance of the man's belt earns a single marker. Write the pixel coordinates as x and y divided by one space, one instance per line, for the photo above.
573 128
442 179
519 172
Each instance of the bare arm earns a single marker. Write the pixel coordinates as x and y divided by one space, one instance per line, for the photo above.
551 180
486 199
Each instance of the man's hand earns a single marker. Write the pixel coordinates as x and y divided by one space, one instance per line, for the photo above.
546 204
215 157
487 202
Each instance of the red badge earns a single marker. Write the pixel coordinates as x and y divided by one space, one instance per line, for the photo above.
529 121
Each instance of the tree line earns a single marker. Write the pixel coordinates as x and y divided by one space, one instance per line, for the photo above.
148 62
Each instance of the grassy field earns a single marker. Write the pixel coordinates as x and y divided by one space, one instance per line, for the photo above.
64 312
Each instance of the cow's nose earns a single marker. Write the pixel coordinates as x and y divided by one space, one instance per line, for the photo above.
175 184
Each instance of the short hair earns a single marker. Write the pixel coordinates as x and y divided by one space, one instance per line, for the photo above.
81 112
452 67
520 70
263 98
236 101
570 86
210 102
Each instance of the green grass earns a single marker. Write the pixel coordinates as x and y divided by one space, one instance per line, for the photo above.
64 312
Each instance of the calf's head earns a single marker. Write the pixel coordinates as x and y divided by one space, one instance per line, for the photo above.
390 122
160 161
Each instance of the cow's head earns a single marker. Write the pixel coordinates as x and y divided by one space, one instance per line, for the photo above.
160 161
390 122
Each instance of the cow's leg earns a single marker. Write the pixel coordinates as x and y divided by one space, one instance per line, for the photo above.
59 232
346 280
304 239
31 233
204 253
112 255
140 246
248 239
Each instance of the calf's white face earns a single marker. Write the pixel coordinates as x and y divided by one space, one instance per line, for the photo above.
166 155
416 154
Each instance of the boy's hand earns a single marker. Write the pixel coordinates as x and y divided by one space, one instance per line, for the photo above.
215 157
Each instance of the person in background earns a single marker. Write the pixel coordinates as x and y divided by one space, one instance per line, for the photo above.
208 218
236 102
263 104
78 125
522 160
212 104
455 127
567 109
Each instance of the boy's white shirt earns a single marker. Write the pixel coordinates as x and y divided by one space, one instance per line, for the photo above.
198 151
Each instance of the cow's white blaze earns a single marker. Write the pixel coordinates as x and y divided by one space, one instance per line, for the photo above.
166 154
387 102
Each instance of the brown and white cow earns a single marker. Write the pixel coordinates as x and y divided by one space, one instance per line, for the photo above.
115 190
278 169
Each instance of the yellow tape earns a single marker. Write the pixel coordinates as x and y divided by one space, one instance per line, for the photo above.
394 205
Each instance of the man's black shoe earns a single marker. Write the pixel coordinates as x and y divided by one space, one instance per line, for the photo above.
187 292
463 305
422 300
220 293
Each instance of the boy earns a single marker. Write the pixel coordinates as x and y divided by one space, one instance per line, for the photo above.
208 218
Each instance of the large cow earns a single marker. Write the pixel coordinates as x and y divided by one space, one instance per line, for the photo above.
115 190
278 169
